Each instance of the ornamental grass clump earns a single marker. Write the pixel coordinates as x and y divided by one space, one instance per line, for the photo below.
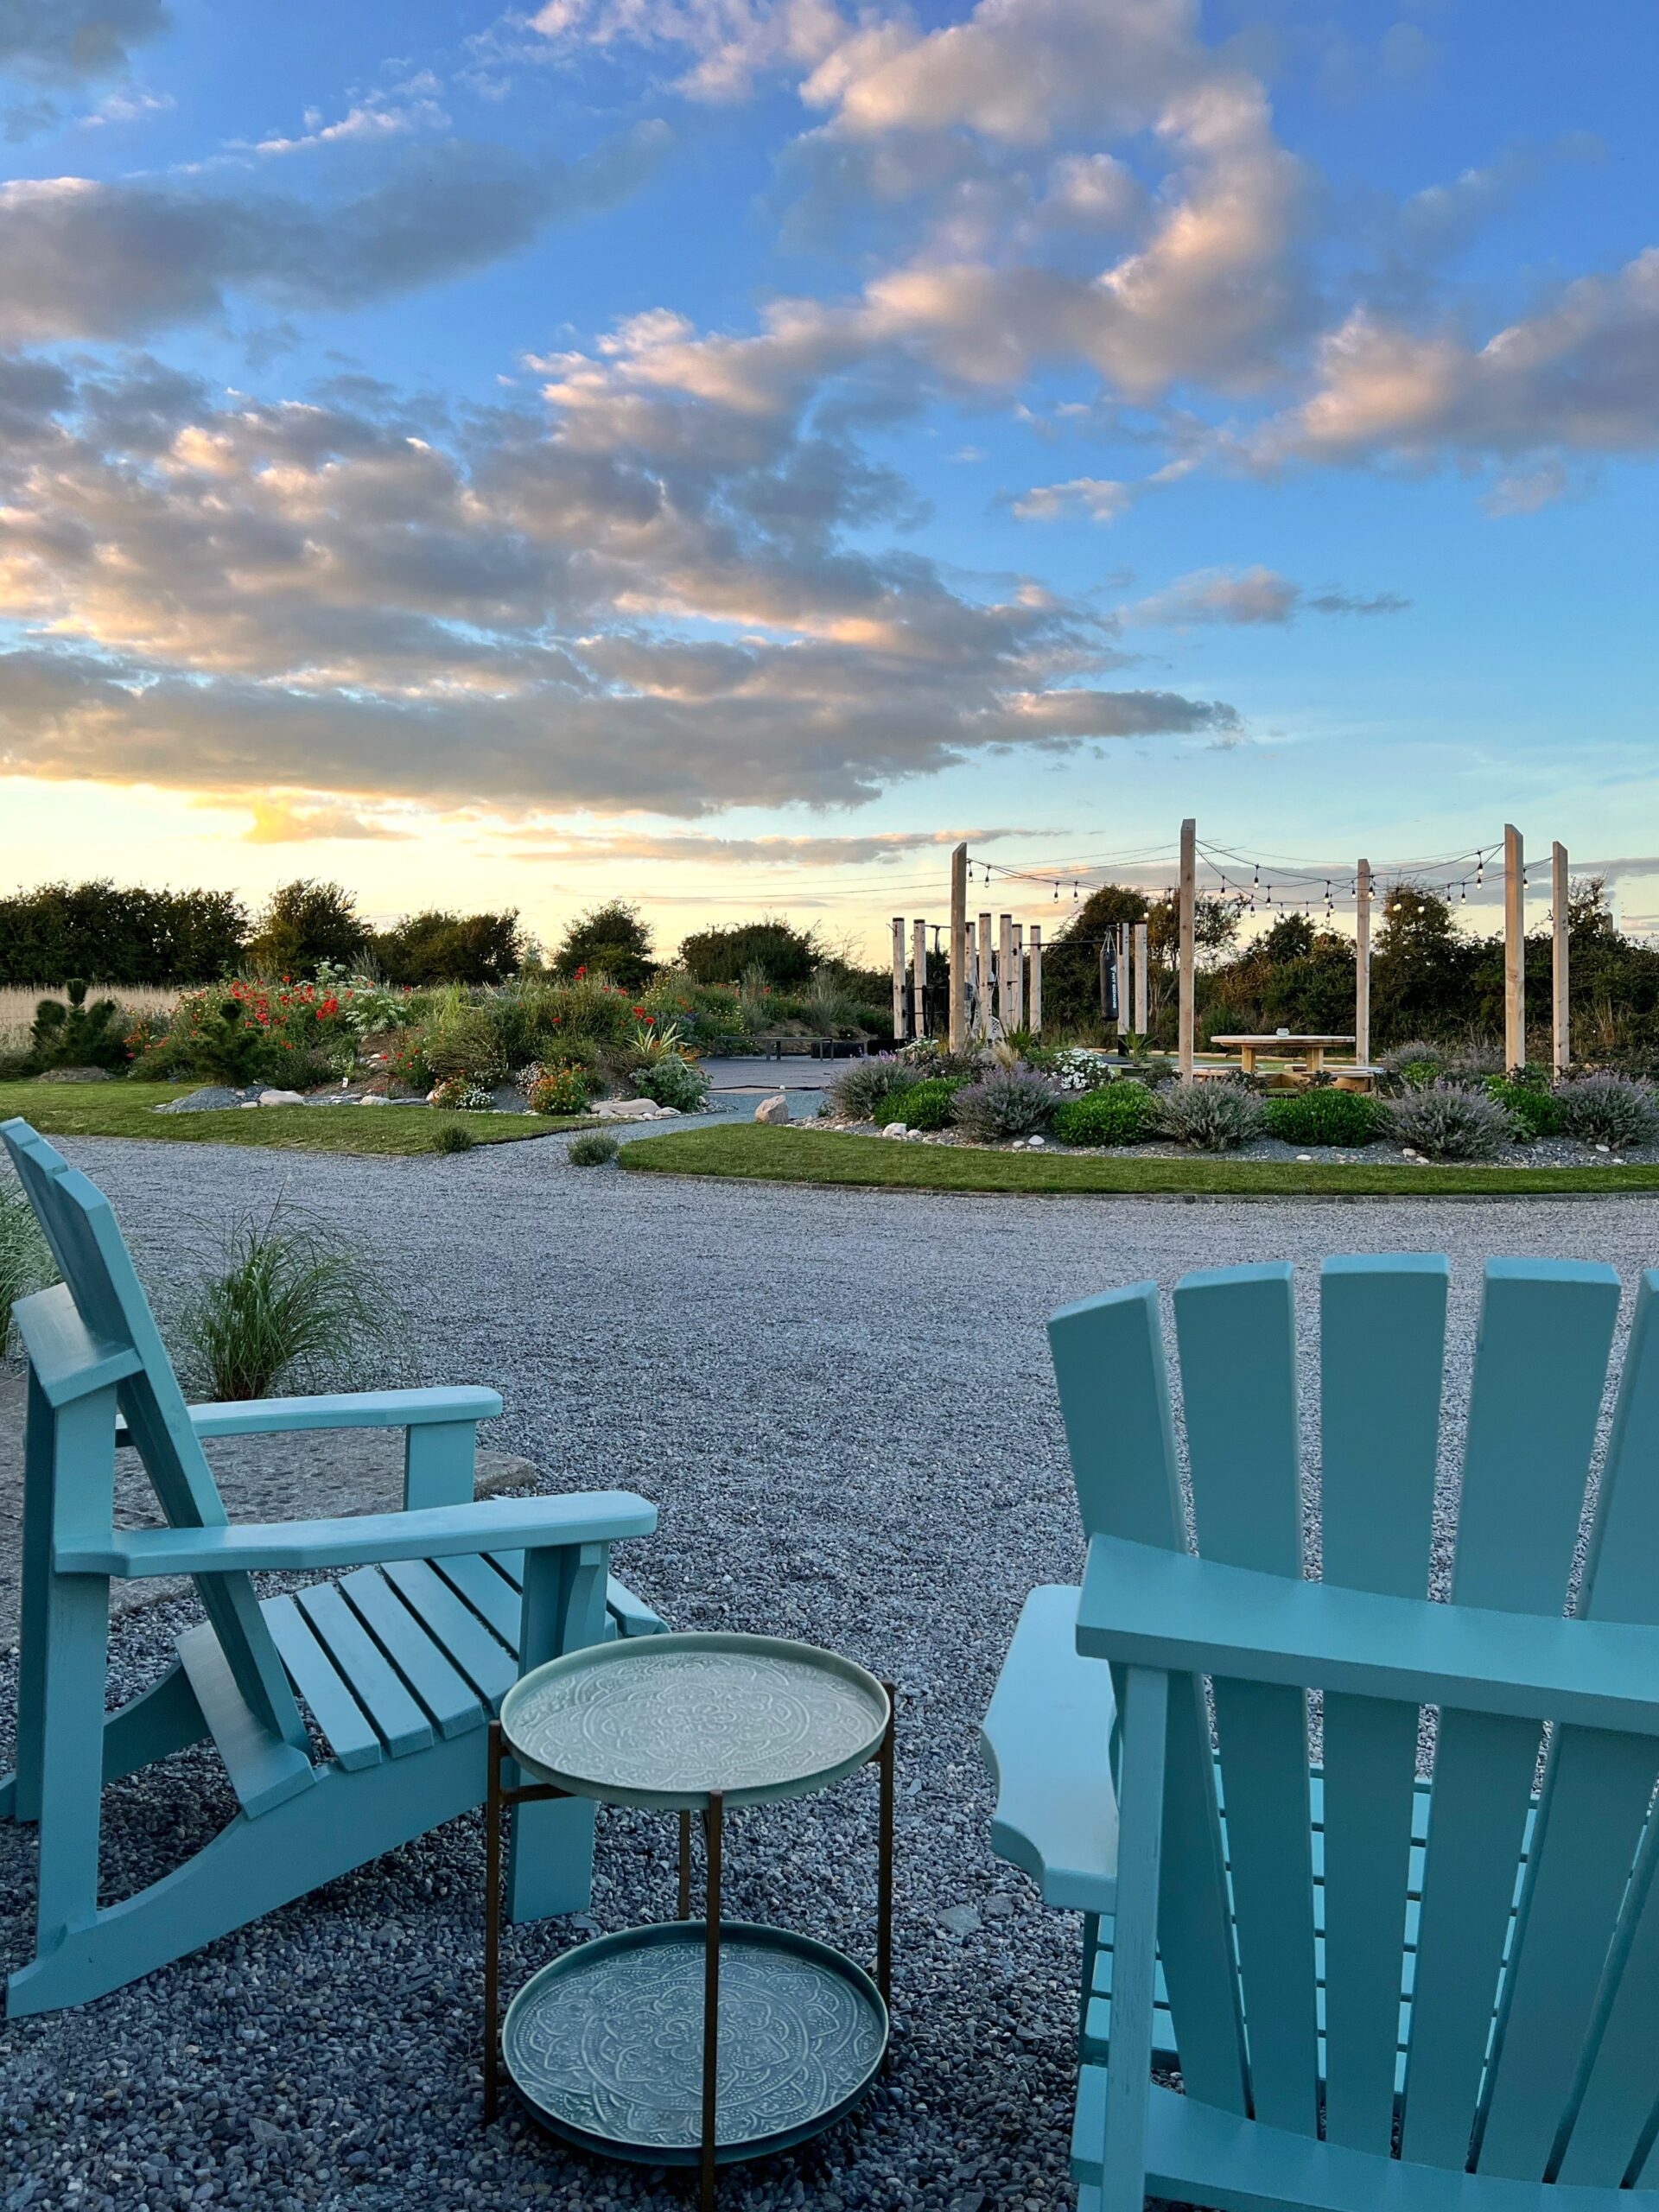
597 1149
1444 1121
452 1136
1326 1116
1124 1112
1610 1110
25 1262
1004 1103
292 1307
1210 1116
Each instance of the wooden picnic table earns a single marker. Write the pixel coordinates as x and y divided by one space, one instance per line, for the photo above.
1282 1044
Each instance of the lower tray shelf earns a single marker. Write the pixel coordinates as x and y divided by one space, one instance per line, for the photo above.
606 2043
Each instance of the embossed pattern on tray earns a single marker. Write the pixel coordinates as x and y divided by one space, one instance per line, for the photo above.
614 2048
679 1722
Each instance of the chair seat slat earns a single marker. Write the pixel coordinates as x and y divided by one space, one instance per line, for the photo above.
349 1733
446 1695
480 1656
373 1680
491 1596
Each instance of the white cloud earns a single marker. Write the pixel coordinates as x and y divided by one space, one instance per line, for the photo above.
1097 497
1250 597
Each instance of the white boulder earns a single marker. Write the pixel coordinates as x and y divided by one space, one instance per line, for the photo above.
282 1098
896 1130
773 1109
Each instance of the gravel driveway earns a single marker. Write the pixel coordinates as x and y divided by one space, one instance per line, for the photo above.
841 1401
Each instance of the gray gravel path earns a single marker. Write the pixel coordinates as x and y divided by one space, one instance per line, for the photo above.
841 1401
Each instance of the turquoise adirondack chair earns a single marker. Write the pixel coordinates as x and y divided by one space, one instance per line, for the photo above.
401 1663
1393 1980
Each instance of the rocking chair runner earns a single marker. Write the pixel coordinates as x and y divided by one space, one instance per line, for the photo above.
402 1663
1385 1992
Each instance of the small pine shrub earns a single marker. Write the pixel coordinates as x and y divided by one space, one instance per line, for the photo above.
1211 1117
865 1085
1444 1121
596 1149
1529 1101
452 1136
1610 1110
78 1035
1004 1103
1326 1116
560 1088
1124 1112
925 1105
672 1081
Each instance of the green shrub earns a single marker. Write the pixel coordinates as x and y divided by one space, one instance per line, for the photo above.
78 1035
25 1262
464 1041
925 1105
1215 1115
1444 1121
863 1085
1004 1103
452 1136
672 1081
1124 1112
1610 1110
559 1088
291 1306
595 1149
1412 1066
1529 1101
1323 1116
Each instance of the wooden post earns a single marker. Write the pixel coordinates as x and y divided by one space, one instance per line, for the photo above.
1515 950
900 1024
1561 1007
1142 981
1188 894
1034 1001
983 1024
1017 975
918 977
1005 970
1362 963
959 949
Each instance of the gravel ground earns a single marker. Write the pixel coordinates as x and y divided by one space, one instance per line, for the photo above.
841 1401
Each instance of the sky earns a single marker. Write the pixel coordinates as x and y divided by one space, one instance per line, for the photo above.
723 454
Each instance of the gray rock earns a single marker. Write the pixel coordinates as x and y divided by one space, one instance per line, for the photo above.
773 1109
625 1110
282 1098
212 1098
75 1075
961 1919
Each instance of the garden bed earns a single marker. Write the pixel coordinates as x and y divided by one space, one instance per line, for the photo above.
805 1153
128 1109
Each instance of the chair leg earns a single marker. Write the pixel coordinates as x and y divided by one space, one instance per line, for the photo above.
551 1854
159 1722
1090 1953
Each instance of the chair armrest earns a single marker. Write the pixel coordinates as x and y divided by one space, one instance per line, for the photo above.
1149 1607
349 1409
361 1540
1047 1741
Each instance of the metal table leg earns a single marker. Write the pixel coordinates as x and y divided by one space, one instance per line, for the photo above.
715 1821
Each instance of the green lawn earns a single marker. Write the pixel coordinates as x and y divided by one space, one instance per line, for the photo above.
800 1155
126 1109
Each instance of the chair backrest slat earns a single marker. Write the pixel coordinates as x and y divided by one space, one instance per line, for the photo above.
1114 1390
1603 1782
1382 1354
1546 1330
1237 1335
79 1225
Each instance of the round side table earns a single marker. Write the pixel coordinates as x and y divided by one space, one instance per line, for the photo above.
691 2043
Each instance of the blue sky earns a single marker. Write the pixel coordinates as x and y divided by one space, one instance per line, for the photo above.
721 453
